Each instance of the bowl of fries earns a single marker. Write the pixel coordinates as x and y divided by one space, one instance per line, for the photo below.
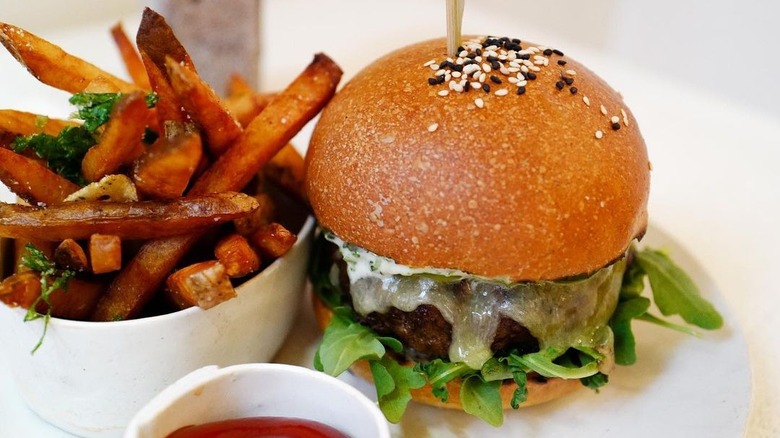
161 230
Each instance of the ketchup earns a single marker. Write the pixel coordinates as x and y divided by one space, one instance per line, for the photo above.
257 427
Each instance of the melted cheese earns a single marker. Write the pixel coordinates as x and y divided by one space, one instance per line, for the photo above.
558 314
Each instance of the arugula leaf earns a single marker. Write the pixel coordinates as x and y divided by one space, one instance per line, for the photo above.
51 280
393 384
521 392
675 293
439 372
482 399
543 363
625 343
319 273
648 317
633 280
595 381
345 342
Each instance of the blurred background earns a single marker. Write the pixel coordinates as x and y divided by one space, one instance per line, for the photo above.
719 47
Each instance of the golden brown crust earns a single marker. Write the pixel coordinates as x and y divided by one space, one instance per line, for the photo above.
520 188
538 392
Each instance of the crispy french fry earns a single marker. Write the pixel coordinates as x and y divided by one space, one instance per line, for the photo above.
130 57
167 167
129 220
31 180
24 123
101 85
243 102
204 107
156 39
105 253
258 218
70 255
77 302
286 170
267 133
121 141
273 240
168 107
117 188
203 284
239 259
52 65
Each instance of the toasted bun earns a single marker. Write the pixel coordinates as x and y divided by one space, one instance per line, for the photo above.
520 188
538 392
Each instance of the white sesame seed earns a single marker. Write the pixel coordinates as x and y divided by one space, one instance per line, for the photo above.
571 72
431 62
546 62
625 116
457 87
502 57
476 85
447 76
463 53
434 66
456 74
432 127
514 64
459 61
512 80
478 59
491 48
492 52
504 70
502 92
452 84
586 100
524 69
486 67
539 57
443 92
469 69
527 62
482 77
511 56
479 102
614 119
522 83
441 72
603 110
539 62
599 134
535 68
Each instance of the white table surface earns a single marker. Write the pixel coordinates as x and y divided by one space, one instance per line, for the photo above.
715 179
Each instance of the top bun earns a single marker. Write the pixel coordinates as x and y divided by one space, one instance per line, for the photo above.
546 184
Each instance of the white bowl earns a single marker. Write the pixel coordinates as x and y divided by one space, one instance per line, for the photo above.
89 378
252 390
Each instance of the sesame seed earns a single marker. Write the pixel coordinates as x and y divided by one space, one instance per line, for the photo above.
557 52
504 71
479 102
568 80
599 134
443 92
625 116
520 90
571 72
531 76
476 85
433 81
486 88
573 90
486 67
561 62
559 85
513 80
615 126
495 79
431 62
548 52
463 53
603 110
614 119
432 127
456 74
441 72
482 77
586 100
457 87
502 92
434 66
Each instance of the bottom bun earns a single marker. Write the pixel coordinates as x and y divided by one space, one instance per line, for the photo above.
538 391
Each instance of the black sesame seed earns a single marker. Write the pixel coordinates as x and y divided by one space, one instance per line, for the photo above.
568 80
557 52
520 90
559 85
547 52
442 78
615 126
495 79
561 62
457 67
479 51
573 90
516 40
492 58
524 56
495 65
471 56
486 88
531 75
467 86
513 46
433 81
461 48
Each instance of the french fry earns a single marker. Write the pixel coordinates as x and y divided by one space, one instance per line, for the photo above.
77 302
261 216
70 255
203 284
268 132
101 85
243 101
239 259
168 107
164 171
286 170
204 107
105 253
51 65
24 123
273 240
128 220
121 141
31 180
130 57
156 40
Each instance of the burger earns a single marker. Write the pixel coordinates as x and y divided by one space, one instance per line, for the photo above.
478 217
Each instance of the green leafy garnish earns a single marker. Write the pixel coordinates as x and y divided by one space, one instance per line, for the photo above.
51 280
344 343
393 384
440 372
543 363
625 344
482 399
94 108
595 381
675 293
